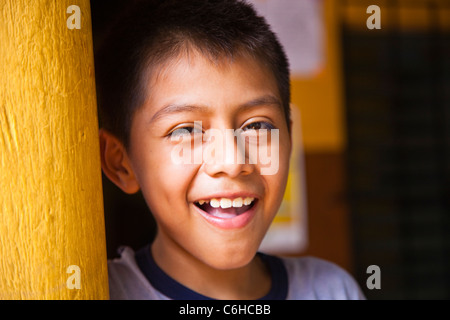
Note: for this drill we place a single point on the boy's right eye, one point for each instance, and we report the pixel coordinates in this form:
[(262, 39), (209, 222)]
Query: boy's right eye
[(185, 130)]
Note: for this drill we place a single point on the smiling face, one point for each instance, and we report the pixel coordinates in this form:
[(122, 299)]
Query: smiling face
[(216, 212)]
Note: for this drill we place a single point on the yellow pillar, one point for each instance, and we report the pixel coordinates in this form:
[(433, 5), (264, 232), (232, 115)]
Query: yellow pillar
[(52, 238)]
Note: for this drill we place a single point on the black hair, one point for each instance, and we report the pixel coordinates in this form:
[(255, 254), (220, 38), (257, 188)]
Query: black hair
[(152, 32)]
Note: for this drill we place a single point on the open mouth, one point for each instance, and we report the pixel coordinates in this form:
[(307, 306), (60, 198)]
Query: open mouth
[(226, 208)]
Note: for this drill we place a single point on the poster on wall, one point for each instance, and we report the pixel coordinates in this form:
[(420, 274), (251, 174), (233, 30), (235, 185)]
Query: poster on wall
[(299, 27)]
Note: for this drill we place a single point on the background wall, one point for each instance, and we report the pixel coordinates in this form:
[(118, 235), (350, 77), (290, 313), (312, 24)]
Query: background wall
[(397, 88)]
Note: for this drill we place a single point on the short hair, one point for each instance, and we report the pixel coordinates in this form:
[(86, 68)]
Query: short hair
[(152, 32)]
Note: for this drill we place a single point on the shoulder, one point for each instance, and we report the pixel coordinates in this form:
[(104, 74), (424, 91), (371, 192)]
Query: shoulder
[(315, 278), (126, 281)]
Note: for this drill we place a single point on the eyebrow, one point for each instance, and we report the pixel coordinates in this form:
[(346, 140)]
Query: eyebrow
[(170, 109), (265, 100)]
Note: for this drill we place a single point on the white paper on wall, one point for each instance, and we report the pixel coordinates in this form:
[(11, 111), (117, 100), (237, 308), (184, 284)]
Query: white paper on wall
[(299, 27)]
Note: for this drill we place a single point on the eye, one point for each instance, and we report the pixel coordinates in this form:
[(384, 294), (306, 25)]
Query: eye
[(258, 125), (185, 130)]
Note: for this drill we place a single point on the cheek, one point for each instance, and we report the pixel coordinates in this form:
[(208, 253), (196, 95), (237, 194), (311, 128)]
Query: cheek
[(276, 183), (274, 195), (165, 185)]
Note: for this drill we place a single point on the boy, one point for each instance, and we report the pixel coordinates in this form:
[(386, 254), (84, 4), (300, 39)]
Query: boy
[(170, 74)]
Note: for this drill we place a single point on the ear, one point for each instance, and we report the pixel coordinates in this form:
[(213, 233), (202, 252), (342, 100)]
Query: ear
[(116, 164)]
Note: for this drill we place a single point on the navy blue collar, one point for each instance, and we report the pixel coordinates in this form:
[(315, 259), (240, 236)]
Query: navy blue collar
[(176, 291)]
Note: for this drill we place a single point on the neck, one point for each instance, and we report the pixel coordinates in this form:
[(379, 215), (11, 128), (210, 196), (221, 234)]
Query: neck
[(249, 282)]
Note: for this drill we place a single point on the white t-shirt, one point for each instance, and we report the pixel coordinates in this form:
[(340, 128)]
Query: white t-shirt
[(135, 276)]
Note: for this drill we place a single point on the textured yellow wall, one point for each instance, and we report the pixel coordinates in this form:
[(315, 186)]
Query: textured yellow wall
[(50, 179)]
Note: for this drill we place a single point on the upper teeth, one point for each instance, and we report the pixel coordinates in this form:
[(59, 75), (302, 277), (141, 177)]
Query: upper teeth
[(225, 203)]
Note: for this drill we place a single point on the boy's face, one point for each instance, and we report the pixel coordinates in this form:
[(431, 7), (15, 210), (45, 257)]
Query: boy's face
[(237, 95)]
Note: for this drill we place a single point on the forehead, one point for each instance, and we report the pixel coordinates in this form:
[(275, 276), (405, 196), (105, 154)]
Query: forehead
[(195, 79)]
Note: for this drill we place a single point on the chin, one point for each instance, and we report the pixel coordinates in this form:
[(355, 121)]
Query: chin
[(230, 258)]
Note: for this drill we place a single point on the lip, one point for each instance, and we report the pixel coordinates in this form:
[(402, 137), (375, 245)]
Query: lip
[(237, 222)]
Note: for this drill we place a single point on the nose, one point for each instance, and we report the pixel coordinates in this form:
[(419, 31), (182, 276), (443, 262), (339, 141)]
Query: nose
[(225, 154)]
